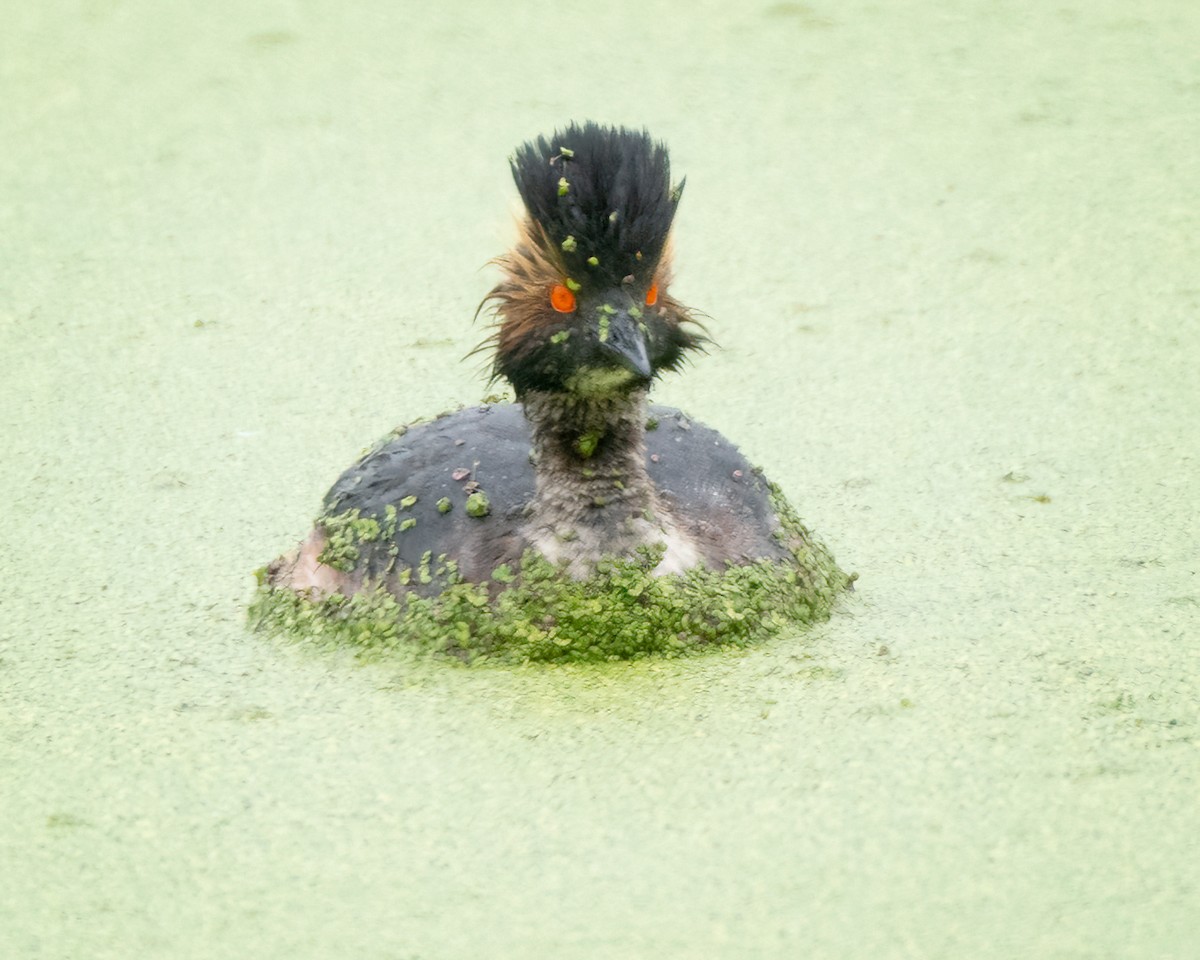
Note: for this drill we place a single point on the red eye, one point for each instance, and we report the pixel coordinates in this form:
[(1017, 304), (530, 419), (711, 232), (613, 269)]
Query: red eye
[(562, 299), (652, 295)]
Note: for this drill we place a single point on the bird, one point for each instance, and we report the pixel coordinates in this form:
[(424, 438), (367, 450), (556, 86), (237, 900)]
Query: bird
[(581, 469)]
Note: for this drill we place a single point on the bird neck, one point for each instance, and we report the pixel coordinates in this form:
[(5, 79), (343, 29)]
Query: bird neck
[(594, 497), (589, 453)]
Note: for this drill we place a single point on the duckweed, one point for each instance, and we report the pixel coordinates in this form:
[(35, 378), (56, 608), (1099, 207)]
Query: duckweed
[(586, 444), (343, 533), (478, 505), (536, 613)]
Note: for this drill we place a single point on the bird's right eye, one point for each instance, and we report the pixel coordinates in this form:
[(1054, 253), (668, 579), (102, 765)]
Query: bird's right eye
[(562, 299)]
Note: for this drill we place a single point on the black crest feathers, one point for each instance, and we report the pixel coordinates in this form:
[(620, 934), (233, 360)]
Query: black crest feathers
[(602, 197)]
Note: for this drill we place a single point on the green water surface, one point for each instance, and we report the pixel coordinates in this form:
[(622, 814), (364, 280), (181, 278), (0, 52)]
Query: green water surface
[(950, 253)]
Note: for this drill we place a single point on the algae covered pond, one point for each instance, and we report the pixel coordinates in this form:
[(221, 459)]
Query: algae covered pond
[(949, 254)]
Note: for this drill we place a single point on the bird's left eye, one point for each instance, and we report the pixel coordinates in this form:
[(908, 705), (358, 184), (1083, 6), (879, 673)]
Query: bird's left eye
[(562, 299), (652, 295)]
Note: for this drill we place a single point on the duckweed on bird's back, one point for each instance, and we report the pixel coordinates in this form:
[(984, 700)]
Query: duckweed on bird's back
[(623, 611)]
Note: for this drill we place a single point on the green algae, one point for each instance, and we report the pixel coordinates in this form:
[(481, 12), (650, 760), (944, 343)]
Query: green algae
[(586, 444), (537, 613), (344, 532), (478, 504)]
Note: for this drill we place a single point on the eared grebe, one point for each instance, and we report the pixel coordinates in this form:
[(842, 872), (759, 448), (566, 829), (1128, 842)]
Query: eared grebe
[(580, 476)]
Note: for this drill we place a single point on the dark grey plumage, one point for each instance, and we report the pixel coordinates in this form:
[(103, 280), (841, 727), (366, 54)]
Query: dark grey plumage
[(609, 189)]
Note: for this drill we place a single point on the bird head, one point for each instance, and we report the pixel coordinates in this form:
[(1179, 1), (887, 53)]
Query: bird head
[(583, 306)]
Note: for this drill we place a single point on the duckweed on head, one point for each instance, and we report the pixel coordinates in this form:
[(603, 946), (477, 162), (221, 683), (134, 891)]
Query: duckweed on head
[(537, 613)]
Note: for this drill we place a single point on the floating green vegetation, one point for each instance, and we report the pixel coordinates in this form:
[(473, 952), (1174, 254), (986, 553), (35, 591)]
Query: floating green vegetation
[(478, 505), (345, 531), (586, 444), (536, 613)]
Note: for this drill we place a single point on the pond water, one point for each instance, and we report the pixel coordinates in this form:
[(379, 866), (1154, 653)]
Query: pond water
[(949, 254)]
